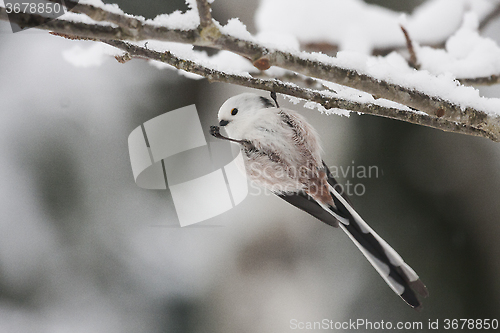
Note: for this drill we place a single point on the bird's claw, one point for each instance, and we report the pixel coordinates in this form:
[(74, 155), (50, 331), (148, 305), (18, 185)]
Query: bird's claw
[(215, 131)]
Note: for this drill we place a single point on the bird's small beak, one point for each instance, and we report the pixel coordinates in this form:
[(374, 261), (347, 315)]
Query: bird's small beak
[(223, 122)]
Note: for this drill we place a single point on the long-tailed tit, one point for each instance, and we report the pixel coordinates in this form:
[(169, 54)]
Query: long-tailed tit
[(282, 153)]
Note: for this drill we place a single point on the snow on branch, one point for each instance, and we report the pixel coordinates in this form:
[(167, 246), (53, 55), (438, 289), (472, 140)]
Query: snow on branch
[(386, 86), (325, 98), (356, 25)]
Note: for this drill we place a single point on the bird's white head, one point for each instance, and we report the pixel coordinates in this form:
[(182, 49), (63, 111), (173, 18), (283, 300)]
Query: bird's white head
[(239, 111)]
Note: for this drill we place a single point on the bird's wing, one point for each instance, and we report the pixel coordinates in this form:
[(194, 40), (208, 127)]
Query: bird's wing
[(303, 201), (398, 275)]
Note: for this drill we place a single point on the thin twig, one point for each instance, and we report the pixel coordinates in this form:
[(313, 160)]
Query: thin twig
[(291, 77), (409, 45), (204, 13), (71, 37), (490, 17), (481, 81)]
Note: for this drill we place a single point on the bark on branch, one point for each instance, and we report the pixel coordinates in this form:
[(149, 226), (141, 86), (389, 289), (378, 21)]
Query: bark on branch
[(440, 113), (204, 12), (320, 97)]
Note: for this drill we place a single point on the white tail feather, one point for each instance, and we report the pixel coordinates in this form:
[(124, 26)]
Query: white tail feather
[(393, 256)]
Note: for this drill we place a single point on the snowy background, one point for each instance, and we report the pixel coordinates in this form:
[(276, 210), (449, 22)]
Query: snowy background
[(83, 249)]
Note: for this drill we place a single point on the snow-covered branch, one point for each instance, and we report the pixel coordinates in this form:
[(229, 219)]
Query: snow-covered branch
[(441, 102), (325, 98)]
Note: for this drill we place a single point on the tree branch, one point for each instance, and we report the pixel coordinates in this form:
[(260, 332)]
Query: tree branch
[(128, 23), (440, 113), (204, 12), (409, 45), (321, 97), (488, 18), (481, 81)]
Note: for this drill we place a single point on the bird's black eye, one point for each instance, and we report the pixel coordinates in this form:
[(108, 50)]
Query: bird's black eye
[(234, 111)]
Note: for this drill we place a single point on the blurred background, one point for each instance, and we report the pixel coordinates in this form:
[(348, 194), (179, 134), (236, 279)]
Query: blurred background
[(83, 249)]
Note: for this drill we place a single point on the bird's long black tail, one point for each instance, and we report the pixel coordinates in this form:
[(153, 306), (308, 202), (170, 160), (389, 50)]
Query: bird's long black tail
[(388, 263), (399, 276)]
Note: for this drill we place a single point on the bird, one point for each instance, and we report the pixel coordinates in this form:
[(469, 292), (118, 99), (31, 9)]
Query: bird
[(282, 153)]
